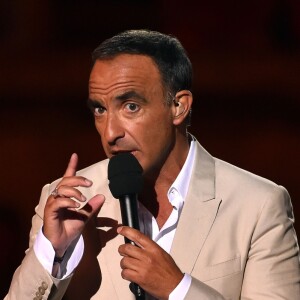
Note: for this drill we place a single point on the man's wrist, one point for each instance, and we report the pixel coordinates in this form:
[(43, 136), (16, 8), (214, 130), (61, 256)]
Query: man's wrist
[(182, 288), (45, 254)]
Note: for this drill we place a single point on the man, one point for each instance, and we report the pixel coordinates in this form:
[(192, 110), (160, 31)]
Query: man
[(209, 230)]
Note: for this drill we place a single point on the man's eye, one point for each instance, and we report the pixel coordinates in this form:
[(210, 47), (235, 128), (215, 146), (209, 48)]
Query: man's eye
[(98, 111), (132, 107)]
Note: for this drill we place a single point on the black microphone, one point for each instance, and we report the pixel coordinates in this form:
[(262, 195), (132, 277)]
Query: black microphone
[(125, 182)]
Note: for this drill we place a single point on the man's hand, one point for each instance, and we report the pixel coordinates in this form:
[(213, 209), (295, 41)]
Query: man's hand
[(62, 221), (148, 265)]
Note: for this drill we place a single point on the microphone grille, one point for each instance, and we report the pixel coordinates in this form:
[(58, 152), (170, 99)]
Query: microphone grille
[(124, 175)]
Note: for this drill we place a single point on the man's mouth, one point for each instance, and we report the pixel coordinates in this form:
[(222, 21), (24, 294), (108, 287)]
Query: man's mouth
[(116, 152)]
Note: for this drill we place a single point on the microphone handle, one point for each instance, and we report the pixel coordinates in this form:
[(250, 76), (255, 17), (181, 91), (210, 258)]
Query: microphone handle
[(129, 212)]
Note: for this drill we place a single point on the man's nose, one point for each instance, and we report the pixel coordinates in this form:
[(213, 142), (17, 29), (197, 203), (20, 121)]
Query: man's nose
[(114, 129)]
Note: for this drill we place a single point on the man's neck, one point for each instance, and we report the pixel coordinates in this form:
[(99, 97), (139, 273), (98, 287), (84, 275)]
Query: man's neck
[(154, 196)]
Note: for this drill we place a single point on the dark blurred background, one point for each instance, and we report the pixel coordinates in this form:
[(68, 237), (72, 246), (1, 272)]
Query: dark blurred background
[(247, 85)]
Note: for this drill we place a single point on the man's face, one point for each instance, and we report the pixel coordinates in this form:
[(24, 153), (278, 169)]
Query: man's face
[(128, 102)]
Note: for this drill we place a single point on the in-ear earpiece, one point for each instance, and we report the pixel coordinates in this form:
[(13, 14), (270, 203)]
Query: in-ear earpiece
[(179, 109), (177, 103)]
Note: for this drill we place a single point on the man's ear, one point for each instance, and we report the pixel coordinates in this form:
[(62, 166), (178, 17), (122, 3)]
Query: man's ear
[(182, 105)]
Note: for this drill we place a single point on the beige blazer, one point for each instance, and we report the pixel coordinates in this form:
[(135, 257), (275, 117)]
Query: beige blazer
[(235, 237)]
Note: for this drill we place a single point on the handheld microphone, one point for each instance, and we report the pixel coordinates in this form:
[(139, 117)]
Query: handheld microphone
[(125, 182)]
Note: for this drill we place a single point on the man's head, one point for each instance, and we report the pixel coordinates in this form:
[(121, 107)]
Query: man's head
[(129, 95), (165, 50)]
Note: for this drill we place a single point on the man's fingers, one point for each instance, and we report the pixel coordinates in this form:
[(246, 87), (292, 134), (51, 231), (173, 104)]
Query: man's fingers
[(93, 205), (96, 202), (72, 166), (136, 236), (74, 181), (63, 202), (89, 208), (69, 192)]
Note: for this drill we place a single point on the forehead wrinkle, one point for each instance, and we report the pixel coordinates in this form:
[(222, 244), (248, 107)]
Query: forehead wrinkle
[(125, 86)]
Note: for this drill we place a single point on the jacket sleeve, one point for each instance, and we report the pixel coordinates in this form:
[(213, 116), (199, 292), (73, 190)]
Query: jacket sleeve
[(272, 269), (31, 281)]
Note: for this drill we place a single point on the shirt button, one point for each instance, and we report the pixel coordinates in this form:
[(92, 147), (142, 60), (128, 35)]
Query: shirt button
[(41, 290), (44, 285)]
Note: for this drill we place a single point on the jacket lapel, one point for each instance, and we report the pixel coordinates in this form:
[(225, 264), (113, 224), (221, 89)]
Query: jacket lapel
[(199, 212)]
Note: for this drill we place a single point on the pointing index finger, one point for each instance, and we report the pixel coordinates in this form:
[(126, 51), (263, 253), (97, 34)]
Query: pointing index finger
[(72, 166)]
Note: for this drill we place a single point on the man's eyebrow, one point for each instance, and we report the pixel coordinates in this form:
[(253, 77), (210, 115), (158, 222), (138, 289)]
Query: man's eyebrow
[(122, 97), (92, 103), (131, 95)]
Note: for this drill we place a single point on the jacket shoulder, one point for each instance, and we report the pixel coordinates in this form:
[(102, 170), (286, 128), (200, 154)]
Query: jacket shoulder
[(233, 176)]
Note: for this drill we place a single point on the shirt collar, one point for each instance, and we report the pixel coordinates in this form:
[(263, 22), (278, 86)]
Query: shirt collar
[(181, 183)]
